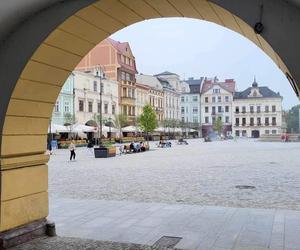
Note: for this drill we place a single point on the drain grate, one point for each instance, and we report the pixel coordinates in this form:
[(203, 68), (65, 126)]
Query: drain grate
[(245, 187), (166, 242)]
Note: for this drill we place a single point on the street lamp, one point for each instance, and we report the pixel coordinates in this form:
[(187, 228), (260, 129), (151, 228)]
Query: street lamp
[(98, 75)]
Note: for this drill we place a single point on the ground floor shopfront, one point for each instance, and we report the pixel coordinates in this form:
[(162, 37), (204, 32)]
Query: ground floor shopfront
[(256, 131)]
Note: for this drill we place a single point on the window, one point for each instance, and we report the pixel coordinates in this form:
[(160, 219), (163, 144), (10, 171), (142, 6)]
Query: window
[(90, 107), (195, 110), (206, 119), (237, 122), (258, 121), (273, 108), (195, 98), (182, 110), (182, 118), (128, 77), (95, 86), (214, 99), (226, 109), (237, 110), (226, 119), (67, 107), (56, 106), (237, 133), (216, 90), (113, 109), (266, 109), (219, 98), (98, 107), (267, 132), (195, 119), (251, 109), (81, 106), (206, 99), (243, 121), (206, 109), (182, 99), (213, 120), (273, 121), (267, 121), (244, 133), (243, 109), (105, 108), (226, 98), (251, 121), (123, 76), (258, 109), (213, 110), (274, 132), (219, 109)]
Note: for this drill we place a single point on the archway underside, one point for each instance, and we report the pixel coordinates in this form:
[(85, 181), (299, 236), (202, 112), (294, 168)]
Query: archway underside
[(30, 108)]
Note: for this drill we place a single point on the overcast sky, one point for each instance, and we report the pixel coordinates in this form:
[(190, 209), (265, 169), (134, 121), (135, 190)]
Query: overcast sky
[(194, 48)]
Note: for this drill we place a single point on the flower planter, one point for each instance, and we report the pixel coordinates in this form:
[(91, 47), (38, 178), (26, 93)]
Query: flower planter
[(104, 152)]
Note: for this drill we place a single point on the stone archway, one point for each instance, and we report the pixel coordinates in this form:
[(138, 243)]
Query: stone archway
[(41, 47)]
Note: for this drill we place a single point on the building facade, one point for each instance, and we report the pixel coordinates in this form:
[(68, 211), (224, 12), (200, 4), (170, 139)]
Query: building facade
[(216, 103), (172, 88), (190, 100), (118, 62), (87, 98), (171, 100), (156, 94), (142, 97), (63, 111), (257, 111)]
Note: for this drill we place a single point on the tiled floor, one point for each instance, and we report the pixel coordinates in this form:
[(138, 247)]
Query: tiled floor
[(200, 227)]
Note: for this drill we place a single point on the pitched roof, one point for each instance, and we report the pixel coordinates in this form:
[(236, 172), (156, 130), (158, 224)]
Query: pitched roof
[(195, 84), (165, 83), (228, 85), (192, 81), (264, 91), (165, 73), (148, 80), (120, 46)]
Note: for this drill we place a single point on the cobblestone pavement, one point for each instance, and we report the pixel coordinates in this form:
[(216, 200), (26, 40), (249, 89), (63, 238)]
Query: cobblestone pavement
[(197, 227), (199, 173), (67, 243)]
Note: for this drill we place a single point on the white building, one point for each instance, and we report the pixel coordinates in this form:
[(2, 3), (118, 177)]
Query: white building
[(190, 100), (257, 111), (216, 103), (87, 97)]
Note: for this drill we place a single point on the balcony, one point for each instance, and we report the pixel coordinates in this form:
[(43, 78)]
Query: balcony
[(128, 100)]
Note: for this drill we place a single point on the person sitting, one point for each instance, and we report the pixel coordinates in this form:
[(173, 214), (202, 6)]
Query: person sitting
[(131, 147), (142, 146)]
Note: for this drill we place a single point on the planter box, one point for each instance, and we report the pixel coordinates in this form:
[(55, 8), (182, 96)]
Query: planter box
[(105, 152)]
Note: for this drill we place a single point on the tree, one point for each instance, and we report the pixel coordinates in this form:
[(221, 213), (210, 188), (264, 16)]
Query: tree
[(148, 121), (120, 122), (218, 126), (69, 120), (293, 119)]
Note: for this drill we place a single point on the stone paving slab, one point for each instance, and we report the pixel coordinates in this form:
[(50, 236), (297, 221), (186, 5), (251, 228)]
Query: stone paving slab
[(67, 243), (200, 227)]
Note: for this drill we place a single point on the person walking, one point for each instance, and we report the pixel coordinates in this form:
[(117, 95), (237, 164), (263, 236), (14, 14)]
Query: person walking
[(72, 150)]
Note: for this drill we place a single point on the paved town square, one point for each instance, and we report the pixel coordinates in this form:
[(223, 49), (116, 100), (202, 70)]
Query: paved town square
[(199, 173), (193, 192)]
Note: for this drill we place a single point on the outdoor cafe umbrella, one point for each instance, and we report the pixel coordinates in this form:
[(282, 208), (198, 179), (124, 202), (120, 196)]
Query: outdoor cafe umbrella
[(56, 128), (131, 129)]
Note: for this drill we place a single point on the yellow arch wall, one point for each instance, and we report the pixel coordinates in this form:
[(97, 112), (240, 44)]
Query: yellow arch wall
[(24, 184)]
